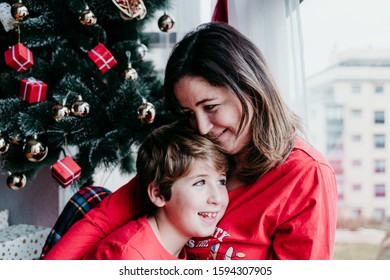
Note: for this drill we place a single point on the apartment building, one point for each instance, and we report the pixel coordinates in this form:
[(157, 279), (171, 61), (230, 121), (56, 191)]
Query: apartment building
[(349, 122)]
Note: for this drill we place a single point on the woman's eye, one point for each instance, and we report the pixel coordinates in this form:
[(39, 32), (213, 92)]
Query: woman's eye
[(189, 114), (209, 107), (200, 183)]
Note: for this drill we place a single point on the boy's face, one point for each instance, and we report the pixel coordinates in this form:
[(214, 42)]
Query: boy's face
[(198, 202)]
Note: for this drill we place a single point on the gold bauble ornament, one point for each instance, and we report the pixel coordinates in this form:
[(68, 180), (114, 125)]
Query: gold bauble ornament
[(34, 150), (16, 181), (146, 112), (4, 145), (130, 73), (19, 12), (80, 108), (165, 23), (59, 112), (87, 17)]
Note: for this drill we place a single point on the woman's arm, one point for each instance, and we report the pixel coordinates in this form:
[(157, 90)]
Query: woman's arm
[(309, 217), (113, 212)]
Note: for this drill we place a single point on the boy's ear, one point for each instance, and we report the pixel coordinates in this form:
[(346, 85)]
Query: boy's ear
[(154, 195)]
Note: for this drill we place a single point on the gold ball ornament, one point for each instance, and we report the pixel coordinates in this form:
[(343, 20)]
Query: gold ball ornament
[(59, 112), (34, 150), (19, 12), (130, 74), (146, 112), (80, 108), (16, 181), (4, 145), (87, 17), (165, 23)]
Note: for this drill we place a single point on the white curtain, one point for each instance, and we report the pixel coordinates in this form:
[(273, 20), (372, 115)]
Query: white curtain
[(274, 26)]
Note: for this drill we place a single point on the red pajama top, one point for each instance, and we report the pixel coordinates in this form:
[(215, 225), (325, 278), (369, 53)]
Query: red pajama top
[(133, 241), (289, 213)]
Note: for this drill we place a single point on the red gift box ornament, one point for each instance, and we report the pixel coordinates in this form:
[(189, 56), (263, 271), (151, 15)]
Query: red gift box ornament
[(65, 171), (102, 57), (33, 90), (19, 57)]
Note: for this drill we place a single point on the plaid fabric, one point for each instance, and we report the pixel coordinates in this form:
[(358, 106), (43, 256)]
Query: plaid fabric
[(79, 204)]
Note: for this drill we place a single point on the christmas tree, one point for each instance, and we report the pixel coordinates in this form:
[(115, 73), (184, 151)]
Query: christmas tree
[(74, 82)]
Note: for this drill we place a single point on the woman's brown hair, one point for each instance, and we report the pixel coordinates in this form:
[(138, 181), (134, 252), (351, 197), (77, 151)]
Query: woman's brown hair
[(224, 57)]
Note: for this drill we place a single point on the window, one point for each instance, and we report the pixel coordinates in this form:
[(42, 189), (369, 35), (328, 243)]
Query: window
[(379, 117), (379, 89), (379, 190), (356, 162), (379, 166), (356, 113), (356, 187), (379, 141), (356, 138), (378, 214), (356, 213), (356, 89)]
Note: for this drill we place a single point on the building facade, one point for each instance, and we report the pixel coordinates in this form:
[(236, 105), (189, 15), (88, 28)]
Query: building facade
[(349, 122)]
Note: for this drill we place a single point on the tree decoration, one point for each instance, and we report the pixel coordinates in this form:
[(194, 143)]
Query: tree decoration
[(65, 171), (165, 23), (87, 17), (60, 111), (130, 73), (77, 57), (16, 181), (131, 9), (19, 11), (33, 90), (4, 145), (146, 112), (80, 108), (34, 150), (102, 57), (19, 57), (139, 51)]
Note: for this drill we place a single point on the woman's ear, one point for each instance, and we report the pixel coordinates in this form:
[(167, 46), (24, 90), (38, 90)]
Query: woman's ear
[(154, 195)]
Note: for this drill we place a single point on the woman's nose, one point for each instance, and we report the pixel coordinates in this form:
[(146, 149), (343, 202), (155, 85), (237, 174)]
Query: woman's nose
[(203, 123)]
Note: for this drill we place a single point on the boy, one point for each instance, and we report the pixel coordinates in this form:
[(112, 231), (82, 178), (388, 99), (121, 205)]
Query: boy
[(183, 177)]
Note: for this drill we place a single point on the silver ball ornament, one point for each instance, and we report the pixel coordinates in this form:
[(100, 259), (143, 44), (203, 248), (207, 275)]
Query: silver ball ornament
[(146, 112), (19, 12), (59, 112), (165, 23), (87, 17), (80, 108), (34, 150), (16, 181), (4, 145), (130, 74)]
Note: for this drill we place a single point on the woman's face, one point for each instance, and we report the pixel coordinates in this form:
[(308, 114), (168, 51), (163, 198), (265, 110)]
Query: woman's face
[(215, 111)]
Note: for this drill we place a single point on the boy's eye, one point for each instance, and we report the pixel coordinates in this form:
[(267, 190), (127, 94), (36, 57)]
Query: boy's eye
[(200, 183), (222, 182)]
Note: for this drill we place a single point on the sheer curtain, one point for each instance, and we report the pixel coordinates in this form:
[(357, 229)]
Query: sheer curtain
[(274, 26)]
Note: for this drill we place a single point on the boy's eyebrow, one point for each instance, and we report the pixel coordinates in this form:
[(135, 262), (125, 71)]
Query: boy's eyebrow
[(204, 175)]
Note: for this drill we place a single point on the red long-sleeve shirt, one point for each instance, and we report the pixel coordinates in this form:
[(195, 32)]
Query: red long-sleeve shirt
[(289, 213)]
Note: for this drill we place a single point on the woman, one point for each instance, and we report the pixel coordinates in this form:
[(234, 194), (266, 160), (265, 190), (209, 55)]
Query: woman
[(282, 192)]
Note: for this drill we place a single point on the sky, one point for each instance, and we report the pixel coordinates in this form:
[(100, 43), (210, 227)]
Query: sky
[(338, 25)]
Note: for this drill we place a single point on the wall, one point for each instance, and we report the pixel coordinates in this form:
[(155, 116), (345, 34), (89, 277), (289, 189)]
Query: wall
[(36, 203)]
